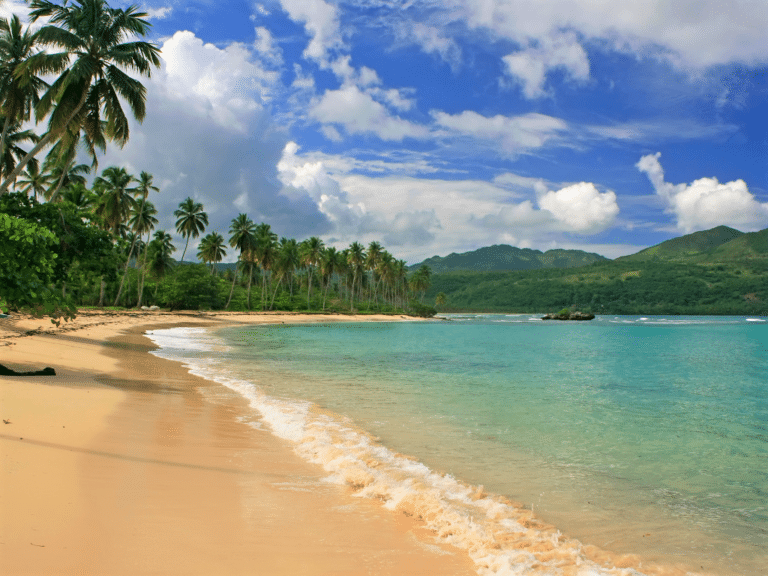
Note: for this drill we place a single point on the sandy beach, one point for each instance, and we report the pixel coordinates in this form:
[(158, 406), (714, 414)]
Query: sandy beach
[(124, 463)]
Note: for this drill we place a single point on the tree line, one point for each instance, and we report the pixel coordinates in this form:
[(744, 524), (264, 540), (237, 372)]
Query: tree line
[(64, 244)]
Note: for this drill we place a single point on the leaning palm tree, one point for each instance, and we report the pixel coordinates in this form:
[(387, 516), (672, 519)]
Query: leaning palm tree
[(96, 43), (242, 236), (191, 222), (211, 250), (12, 152), (18, 95), (60, 162), (142, 221)]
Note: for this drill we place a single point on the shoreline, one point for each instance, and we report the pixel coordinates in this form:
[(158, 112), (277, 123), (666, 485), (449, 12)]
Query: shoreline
[(129, 464)]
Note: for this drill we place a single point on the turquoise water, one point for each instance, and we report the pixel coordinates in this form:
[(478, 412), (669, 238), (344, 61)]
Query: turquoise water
[(646, 436)]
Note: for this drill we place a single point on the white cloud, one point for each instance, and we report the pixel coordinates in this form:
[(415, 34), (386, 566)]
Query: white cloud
[(515, 134), (225, 85), (531, 65), (266, 47), (693, 34), (581, 207), (706, 203), (159, 13), (433, 41), (321, 21), (358, 113)]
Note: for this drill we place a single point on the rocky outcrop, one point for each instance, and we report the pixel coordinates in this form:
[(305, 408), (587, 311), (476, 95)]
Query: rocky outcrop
[(569, 316)]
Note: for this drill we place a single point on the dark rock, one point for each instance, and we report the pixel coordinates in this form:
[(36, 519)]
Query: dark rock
[(44, 372), (570, 316)]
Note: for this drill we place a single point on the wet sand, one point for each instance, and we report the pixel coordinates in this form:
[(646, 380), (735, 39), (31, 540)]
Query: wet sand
[(124, 463)]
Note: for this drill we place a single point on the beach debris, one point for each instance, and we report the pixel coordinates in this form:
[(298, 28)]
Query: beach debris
[(6, 421), (48, 371)]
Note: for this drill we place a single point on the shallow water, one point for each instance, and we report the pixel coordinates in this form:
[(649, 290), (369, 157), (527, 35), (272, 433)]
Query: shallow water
[(644, 436)]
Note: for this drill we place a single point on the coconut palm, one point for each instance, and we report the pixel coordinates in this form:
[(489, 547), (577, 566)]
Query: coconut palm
[(159, 261), (241, 230), (80, 196), (191, 222), (356, 262), (371, 264), (264, 254), (142, 221), (330, 264), (13, 151), (310, 251), (97, 42), (18, 95), (211, 250), (114, 197), (33, 180)]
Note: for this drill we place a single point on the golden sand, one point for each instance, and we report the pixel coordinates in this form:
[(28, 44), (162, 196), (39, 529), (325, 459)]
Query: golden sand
[(124, 463)]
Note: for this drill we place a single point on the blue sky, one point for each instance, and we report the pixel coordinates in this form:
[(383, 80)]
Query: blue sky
[(443, 126)]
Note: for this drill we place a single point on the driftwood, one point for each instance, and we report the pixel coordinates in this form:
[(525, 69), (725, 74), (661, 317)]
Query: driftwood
[(44, 372)]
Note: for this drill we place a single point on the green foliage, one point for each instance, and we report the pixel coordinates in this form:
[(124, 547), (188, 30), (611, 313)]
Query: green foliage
[(192, 287), (421, 310), (27, 268)]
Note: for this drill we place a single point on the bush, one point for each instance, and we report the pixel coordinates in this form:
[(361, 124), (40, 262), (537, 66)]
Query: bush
[(192, 287)]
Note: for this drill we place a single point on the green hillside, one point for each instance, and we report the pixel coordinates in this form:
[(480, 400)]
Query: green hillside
[(503, 257), (717, 271), (688, 246)]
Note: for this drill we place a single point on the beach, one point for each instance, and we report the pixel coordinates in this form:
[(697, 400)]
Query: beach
[(124, 463)]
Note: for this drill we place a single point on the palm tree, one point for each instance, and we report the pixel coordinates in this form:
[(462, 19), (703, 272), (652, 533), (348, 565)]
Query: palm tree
[(421, 280), (60, 161), (212, 249), (242, 237), (33, 180), (142, 221), (310, 252), (191, 222), (80, 196), (264, 254), (371, 264), (159, 260), (18, 96), (356, 261), (114, 198), (97, 42), (330, 264), (13, 151)]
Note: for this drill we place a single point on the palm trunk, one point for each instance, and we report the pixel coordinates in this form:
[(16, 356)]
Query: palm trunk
[(309, 285), (231, 290), (125, 272), (274, 294), (102, 290), (143, 272), (41, 144), (6, 126), (185, 249), (250, 280)]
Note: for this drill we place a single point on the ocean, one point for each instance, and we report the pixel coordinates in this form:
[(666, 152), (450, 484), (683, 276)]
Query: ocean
[(625, 445)]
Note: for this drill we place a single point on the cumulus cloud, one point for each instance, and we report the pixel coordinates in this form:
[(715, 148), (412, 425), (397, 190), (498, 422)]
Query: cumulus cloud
[(530, 66), (227, 85), (581, 207), (706, 202), (691, 34), (432, 40), (358, 113), (321, 22), (515, 134)]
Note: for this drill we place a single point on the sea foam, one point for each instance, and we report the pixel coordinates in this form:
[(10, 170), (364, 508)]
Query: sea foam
[(501, 537)]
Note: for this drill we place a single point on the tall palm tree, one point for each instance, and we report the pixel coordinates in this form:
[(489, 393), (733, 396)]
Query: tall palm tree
[(33, 180), (60, 162), (18, 96), (97, 42), (371, 264), (330, 264), (264, 254), (356, 261), (159, 261), (191, 222), (211, 249), (242, 236), (142, 221), (290, 258), (310, 252), (80, 196)]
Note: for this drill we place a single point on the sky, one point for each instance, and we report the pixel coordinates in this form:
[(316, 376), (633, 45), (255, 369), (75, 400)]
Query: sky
[(440, 126)]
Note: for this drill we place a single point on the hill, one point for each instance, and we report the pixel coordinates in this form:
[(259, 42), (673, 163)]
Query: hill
[(688, 246), (503, 257)]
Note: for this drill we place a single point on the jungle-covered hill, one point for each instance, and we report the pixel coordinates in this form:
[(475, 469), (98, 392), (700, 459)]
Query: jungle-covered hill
[(717, 271), (503, 257)]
